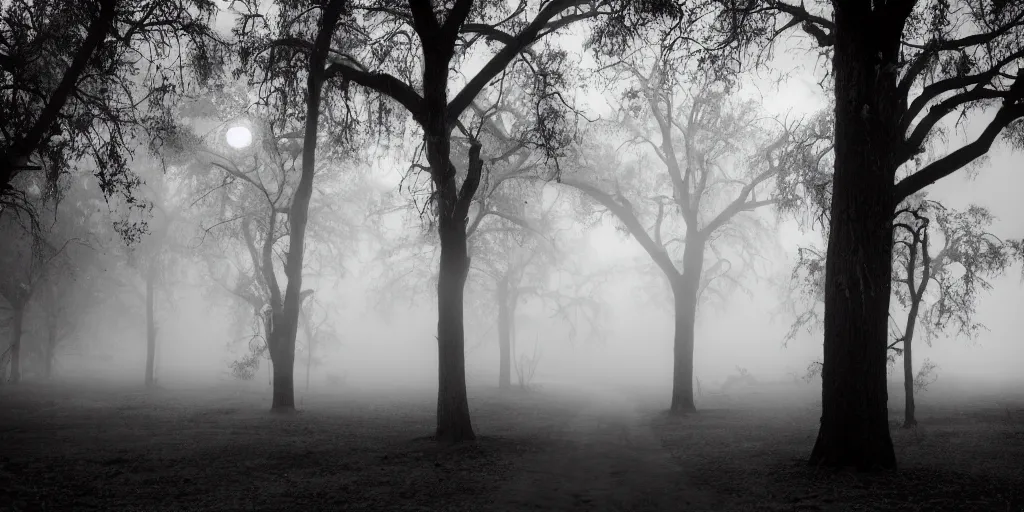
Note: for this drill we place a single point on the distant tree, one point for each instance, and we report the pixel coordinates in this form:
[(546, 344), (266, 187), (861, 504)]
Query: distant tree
[(953, 267), (63, 302), (318, 331), (717, 159), (927, 65), (30, 255), (521, 258), (83, 79)]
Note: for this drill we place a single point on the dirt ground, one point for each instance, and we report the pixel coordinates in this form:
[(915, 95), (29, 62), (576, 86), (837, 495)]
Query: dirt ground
[(94, 448)]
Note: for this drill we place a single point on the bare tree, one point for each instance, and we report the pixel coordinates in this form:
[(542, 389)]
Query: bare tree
[(718, 162), (28, 257)]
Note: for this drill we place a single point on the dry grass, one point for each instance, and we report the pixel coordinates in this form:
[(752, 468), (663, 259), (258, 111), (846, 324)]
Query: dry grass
[(100, 449), (966, 454)]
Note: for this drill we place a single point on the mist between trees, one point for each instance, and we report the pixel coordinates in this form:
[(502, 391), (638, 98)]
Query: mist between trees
[(344, 193)]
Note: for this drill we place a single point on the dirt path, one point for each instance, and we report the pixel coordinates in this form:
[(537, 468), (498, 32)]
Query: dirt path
[(607, 459)]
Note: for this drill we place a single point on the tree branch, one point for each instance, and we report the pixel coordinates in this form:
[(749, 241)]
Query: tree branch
[(956, 160), (500, 61), (657, 252)]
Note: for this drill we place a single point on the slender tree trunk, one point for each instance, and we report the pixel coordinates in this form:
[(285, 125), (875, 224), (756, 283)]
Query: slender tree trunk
[(908, 386), (685, 288), (909, 419), (51, 350), (854, 427), (504, 336), (287, 322), (453, 421), (150, 324), (16, 328)]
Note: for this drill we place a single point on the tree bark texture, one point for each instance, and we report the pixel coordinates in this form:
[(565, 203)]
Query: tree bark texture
[(854, 427), (453, 421)]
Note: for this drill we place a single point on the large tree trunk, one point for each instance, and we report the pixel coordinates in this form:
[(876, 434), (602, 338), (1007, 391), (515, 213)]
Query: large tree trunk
[(282, 369), (854, 421), (685, 288), (150, 325), (282, 365), (453, 421), (16, 328), (504, 336)]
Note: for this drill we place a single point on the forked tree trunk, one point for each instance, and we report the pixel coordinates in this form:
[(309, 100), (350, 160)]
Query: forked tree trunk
[(854, 427), (16, 328), (150, 325), (453, 421), (685, 288), (504, 336)]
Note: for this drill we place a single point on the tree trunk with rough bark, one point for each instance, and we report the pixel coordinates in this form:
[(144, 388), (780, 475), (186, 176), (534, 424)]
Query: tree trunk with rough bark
[(854, 427), (150, 324), (283, 371), (453, 421), (504, 336), (685, 289)]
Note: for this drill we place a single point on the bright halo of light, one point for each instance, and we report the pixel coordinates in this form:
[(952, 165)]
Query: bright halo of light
[(238, 137)]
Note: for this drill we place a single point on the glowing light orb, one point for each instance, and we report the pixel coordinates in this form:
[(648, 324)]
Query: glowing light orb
[(238, 137)]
